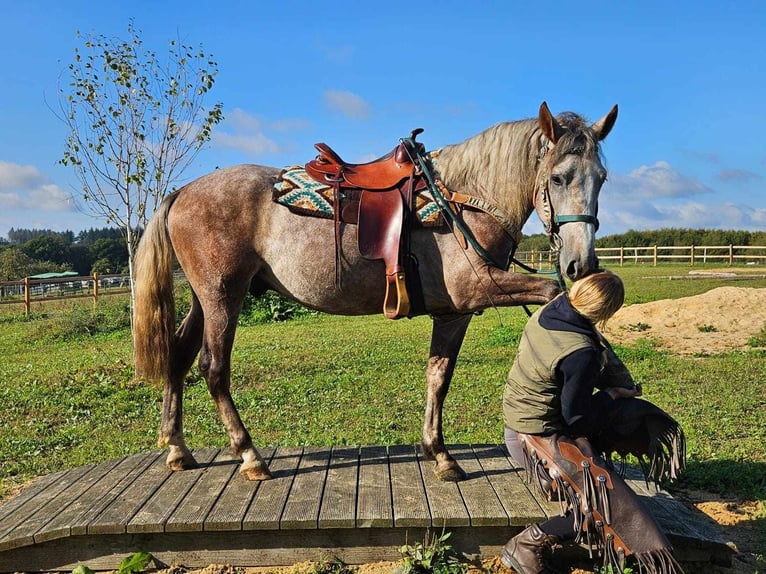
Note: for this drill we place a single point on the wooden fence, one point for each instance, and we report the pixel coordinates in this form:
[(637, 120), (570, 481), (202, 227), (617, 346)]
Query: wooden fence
[(28, 290), (729, 255)]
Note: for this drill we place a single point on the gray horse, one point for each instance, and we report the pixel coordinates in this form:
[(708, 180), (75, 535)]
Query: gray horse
[(230, 238)]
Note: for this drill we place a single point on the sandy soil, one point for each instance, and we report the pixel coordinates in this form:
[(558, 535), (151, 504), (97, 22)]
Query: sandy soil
[(717, 321)]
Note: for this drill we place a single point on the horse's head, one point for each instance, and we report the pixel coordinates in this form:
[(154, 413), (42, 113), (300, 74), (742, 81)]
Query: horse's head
[(570, 176)]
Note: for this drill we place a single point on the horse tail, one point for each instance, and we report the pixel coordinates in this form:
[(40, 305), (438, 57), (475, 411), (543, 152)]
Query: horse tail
[(154, 313)]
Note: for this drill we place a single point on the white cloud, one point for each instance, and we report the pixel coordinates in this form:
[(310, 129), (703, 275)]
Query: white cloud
[(244, 132), (289, 124), (15, 176), (26, 187), (657, 196), (342, 54), (347, 103), (658, 180), (742, 175), (617, 218), (253, 144)]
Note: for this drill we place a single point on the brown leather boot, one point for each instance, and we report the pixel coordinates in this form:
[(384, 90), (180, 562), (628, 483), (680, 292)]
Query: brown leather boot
[(526, 552)]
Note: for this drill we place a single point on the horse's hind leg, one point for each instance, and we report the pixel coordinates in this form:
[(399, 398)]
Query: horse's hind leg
[(188, 340), (215, 364), (446, 340)]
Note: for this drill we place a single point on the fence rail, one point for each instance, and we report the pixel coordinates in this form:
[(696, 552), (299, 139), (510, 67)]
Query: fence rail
[(729, 255), (28, 290)]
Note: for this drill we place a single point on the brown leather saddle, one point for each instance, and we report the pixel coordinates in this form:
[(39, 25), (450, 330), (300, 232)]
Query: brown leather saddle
[(385, 189)]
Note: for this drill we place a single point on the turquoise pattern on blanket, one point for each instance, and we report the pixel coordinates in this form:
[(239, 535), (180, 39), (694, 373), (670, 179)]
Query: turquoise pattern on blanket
[(296, 189)]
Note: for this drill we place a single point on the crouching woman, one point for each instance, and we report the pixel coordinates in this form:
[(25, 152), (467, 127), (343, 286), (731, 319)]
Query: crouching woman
[(565, 435)]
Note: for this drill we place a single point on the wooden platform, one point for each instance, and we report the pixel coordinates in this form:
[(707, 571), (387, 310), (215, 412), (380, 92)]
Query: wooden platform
[(359, 504)]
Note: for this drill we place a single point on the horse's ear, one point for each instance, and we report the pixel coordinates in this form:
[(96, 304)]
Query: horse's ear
[(602, 127), (548, 124)]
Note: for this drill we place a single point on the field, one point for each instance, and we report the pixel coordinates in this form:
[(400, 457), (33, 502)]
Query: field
[(70, 397)]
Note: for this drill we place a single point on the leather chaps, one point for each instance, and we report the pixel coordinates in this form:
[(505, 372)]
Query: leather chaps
[(608, 515)]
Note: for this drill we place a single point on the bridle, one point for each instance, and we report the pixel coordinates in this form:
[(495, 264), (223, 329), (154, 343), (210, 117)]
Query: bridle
[(553, 221), (445, 200)]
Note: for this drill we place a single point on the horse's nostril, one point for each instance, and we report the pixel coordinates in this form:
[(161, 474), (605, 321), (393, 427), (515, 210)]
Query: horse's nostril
[(572, 270)]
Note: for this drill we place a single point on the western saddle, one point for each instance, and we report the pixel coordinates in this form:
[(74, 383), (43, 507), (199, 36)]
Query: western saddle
[(385, 188)]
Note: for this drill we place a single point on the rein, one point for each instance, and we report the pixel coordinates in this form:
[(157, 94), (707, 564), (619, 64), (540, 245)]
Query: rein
[(439, 193), (445, 199)]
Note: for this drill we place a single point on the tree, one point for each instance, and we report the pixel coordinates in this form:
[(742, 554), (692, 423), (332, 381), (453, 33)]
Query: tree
[(15, 265), (135, 123), (53, 248)]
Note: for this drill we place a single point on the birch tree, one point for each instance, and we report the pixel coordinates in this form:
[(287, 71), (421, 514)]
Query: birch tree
[(136, 122)]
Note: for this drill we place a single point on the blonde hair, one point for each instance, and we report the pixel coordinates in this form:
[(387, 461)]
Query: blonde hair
[(597, 296)]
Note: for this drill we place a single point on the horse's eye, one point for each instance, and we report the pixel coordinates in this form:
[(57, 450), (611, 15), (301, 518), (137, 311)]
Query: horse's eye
[(557, 180)]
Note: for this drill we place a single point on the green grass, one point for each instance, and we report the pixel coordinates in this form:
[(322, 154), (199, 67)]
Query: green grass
[(69, 398)]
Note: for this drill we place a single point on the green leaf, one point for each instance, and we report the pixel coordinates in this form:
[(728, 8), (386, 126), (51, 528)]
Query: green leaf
[(82, 569), (134, 563)]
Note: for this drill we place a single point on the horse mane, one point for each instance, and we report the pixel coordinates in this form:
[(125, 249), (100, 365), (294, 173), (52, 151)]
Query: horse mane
[(500, 164)]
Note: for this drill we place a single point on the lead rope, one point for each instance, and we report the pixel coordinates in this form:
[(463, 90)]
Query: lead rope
[(451, 217)]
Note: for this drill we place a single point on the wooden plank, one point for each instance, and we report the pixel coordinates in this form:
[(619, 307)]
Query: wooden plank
[(484, 508), (268, 549), (58, 525), (163, 502), (28, 492), (115, 517), (30, 511), (374, 506), (338, 508), (303, 503), (271, 496), (444, 499), (74, 520), (229, 510), (191, 512), (506, 479), (407, 490)]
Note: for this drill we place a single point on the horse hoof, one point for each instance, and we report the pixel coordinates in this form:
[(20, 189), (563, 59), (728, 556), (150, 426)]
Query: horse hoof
[(184, 463), (255, 473), (449, 473)]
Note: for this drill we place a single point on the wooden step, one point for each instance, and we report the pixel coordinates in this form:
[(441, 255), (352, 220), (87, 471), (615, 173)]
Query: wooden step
[(359, 504)]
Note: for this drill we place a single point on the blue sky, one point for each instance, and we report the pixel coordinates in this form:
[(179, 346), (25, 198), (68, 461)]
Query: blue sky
[(687, 150)]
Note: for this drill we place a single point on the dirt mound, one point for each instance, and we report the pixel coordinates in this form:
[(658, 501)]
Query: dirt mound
[(717, 321)]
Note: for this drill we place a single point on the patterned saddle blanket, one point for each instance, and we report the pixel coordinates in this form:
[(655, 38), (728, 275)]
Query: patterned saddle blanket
[(302, 194)]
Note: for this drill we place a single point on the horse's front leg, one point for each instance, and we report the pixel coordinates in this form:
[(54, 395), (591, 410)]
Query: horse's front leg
[(505, 288), (446, 340)]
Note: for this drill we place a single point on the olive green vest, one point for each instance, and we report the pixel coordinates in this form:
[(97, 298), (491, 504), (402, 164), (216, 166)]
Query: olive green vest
[(532, 395)]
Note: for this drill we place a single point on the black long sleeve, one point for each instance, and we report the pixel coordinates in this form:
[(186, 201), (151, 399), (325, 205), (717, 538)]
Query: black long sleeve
[(582, 410)]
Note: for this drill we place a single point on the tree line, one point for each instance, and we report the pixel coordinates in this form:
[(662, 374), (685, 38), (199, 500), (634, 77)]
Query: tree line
[(31, 251)]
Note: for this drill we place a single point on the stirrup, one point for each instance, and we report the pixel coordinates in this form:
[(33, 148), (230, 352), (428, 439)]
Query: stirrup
[(401, 306)]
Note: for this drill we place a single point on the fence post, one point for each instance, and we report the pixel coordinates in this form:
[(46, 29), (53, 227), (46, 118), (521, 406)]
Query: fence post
[(691, 255), (95, 290), (731, 255), (655, 256), (26, 296), (622, 255)]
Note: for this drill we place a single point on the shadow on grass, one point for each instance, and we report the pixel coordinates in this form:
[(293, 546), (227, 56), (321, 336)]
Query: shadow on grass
[(733, 494)]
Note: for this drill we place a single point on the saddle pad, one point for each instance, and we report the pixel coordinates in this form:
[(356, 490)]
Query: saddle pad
[(302, 194)]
